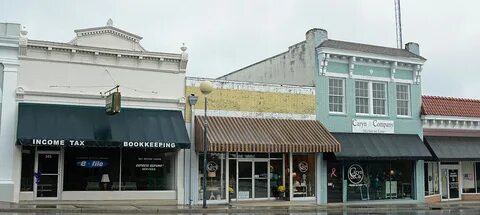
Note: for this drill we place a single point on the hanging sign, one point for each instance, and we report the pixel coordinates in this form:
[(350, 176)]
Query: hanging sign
[(373, 126), (113, 103)]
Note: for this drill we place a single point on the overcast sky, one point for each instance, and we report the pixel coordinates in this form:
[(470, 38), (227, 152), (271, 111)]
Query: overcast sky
[(224, 35)]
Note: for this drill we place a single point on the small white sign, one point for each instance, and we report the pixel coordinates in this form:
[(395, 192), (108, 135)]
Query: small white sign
[(373, 126), (243, 194)]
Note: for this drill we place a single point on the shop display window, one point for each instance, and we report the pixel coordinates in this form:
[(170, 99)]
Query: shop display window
[(432, 180), (28, 162), (87, 169), (147, 169), (216, 163), (303, 175), (379, 180), (468, 177)]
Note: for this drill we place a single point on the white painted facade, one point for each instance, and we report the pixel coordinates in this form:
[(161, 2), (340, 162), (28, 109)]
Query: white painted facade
[(79, 72)]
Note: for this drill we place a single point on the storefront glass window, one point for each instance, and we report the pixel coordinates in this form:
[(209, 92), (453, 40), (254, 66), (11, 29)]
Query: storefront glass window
[(431, 178), (147, 169), (91, 169), (28, 161), (477, 179), (303, 175), (379, 180), (216, 163), (468, 179)]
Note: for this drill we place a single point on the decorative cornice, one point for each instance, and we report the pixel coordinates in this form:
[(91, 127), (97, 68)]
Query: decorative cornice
[(66, 47), (450, 122), (369, 56), (22, 94)]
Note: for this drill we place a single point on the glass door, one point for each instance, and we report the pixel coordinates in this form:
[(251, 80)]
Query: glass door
[(450, 183), (245, 188), (46, 176), (261, 179), (253, 180)]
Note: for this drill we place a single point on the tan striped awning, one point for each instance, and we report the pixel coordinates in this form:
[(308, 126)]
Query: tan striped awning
[(235, 134)]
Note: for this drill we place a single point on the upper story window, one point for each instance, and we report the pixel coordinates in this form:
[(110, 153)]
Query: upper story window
[(336, 95), (370, 97), (403, 100)]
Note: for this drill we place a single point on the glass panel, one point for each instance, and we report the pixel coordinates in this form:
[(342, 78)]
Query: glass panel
[(431, 178), (303, 175), (276, 172), (232, 168), (28, 161), (376, 180), (244, 169), (244, 188), (48, 163), (453, 183), (335, 92), (215, 176), (91, 169), (47, 185), (261, 179), (334, 182), (444, 183), (468, 171), (147, 169), (361, 97), (477, 178)]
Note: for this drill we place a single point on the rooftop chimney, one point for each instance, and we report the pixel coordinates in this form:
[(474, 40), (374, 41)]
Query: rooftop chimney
[(413, 48)]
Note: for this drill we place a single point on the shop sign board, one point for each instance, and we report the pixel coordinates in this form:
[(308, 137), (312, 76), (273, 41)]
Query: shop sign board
[(373, 126), (244, 194), (112, 103), (149, 164)]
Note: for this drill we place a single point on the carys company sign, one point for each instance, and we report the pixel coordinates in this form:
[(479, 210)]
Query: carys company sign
[(373, 126)]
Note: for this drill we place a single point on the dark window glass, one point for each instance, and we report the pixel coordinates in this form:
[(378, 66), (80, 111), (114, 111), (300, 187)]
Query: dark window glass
[(477, 171), (303, 175), (379, 180), (28, 161), (91, 169), (147, 169)]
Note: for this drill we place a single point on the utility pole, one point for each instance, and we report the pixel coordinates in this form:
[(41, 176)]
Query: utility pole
[(398, 23)]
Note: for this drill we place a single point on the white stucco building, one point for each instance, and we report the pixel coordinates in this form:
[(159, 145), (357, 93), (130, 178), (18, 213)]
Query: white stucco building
[(57, 142)]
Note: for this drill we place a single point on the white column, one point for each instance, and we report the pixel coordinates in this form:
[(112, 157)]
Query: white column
[(10, 166)]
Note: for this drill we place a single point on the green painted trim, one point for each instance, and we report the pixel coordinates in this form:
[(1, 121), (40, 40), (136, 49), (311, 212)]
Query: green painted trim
[(335, 67), (403, 74)]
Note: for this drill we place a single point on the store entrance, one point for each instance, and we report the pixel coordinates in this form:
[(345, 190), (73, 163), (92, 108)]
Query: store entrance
[(450, 179), (46, 176), (252, 179)]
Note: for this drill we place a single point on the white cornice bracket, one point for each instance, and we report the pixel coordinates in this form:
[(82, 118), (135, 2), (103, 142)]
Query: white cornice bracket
[(351, 66), (324, 63)]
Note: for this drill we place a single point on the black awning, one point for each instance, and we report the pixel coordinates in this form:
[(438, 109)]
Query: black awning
[(454, 148), (361, 146), (64, 125)]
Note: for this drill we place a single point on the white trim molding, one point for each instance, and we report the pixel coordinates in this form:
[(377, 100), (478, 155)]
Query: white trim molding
[(264, 115), (371, 56), (451, 122)]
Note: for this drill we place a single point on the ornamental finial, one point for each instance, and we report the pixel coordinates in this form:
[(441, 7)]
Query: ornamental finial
[(110, 22)]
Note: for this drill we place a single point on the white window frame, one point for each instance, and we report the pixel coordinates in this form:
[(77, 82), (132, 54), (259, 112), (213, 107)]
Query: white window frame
[(343, 95), (409, 102), (370, 98)]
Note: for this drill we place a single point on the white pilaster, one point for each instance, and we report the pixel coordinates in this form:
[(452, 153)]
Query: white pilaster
[(10, 154)]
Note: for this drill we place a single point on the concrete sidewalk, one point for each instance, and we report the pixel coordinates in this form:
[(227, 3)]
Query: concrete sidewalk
[(155, 207)]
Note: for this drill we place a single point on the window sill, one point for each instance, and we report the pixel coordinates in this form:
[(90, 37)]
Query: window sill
[(371, 115), (404, 117), (337, 114)]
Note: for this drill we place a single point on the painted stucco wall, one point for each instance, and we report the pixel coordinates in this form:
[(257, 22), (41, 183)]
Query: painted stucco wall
[(66, 76), (293, 67), (343, 122)]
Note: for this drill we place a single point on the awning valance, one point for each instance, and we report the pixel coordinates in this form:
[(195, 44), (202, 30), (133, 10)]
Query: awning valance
[(235, 134), (361, 146), (64, 125), (454, 148)]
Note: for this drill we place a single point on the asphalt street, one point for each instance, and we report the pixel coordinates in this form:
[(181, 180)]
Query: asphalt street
[(406, 212)]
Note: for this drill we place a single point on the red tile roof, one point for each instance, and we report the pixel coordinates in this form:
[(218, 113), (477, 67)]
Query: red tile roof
[(449, 106)]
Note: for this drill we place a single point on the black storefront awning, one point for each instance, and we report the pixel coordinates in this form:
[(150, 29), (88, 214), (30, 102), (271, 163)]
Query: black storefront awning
[(84, 126), (361, 146), (454, 148)]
